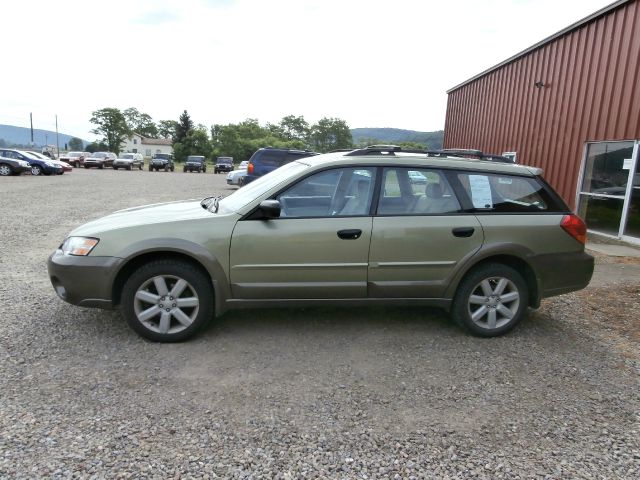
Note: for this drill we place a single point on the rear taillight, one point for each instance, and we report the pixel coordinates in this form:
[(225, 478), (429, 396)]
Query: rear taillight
[(250, 168), (574, 226)]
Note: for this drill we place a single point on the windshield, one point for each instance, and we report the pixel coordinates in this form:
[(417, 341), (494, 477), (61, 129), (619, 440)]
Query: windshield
[(226, 161), (74, 154), (255, 189), (195, 158), (162, 156), (31, 155), (99, 155), (127, 156)]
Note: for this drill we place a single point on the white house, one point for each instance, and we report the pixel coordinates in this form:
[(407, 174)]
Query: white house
[(147, 146)]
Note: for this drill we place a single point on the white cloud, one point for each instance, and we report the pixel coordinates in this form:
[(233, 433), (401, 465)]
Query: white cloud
[(371, 63)]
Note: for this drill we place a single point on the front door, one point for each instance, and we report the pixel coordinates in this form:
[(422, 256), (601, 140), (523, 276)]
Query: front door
[(319, 246)]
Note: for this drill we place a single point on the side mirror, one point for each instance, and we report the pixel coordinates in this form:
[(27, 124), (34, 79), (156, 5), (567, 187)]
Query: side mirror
[(269, 209)]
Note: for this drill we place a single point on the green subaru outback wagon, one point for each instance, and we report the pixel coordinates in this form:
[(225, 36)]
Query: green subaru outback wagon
[(482, 239)]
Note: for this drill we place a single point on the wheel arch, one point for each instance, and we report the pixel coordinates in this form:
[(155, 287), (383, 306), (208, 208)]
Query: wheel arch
[(194, 255), (516, 258)]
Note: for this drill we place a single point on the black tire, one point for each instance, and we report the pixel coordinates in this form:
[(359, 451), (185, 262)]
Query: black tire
[(129, 167), (140, 167), (115, 168), (471, 292), (173, 169), (101, 166), (36, 170), (199, 285), (166, 169), (184, 169), (86, 166)]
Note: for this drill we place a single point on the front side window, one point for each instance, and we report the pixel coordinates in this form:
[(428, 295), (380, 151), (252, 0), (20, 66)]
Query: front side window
[(416, 191), (506, 193), (337, 192)]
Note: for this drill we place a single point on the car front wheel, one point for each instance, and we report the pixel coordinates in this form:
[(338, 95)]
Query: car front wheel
[(490, 300), (167, 300), (36, 170)]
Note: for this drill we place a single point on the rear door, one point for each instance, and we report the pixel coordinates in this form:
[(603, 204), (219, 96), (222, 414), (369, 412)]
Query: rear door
[(419, 236), (315, 250)]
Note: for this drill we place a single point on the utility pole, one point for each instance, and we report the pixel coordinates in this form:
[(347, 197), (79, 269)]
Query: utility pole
[(57, 141), (31, 121)]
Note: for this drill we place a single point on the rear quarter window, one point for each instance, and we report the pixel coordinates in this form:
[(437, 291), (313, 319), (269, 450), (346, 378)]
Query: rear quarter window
[(507, 193)]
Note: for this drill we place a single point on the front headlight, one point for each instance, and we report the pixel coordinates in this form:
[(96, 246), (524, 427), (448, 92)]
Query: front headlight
[(80, 246), (49, 164)]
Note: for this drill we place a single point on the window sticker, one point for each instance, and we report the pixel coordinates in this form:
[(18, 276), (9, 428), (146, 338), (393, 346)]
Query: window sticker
[(480, 191)]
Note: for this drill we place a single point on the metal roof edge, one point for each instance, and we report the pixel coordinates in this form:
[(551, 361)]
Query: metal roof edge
[(541, 43)]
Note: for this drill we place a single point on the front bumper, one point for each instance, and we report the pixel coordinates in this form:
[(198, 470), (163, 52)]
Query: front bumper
[(84, 281), (92, 163)]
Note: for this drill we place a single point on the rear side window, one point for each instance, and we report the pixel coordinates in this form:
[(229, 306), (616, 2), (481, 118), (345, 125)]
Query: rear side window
[(506, 193), (416, 191)]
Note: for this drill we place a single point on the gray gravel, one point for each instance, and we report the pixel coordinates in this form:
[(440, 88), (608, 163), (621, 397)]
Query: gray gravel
[(302, 393)]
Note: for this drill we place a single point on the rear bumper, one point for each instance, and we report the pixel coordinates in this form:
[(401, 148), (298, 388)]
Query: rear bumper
[(560, 273), (85, 281)]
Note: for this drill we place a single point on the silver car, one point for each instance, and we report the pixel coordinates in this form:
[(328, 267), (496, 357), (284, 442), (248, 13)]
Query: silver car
[(129, 161)]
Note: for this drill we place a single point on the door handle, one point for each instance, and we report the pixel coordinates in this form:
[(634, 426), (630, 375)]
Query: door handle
[(350, 234), (463, 231)]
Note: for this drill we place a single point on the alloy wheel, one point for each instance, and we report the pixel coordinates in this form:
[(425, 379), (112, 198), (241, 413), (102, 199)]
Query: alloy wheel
[(493, 302), (166, 304)]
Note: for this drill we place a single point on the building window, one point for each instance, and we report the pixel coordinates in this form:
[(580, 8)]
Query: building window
[(148, 152), (135, 150), (135, 141), (511, 156), (609, 189)]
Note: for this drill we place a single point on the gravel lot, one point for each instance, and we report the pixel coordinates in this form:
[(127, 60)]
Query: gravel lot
[(305, 393)]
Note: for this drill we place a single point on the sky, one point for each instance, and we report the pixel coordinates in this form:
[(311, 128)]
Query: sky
[(371, 63)]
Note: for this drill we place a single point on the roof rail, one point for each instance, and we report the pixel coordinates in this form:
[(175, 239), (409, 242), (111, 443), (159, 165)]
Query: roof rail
[(449, 152)]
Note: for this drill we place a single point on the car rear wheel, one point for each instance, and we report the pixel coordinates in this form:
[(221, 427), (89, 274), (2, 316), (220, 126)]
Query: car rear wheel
[(167, 300), (5, 170), (490, 300), (36, 170)]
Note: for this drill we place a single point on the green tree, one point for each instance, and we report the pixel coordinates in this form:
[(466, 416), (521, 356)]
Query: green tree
[(329, 134), (112, 125), (196, 142), (183, 127), (76, 144), (140, 123), (96, 147), (167, 128), (294, 128)]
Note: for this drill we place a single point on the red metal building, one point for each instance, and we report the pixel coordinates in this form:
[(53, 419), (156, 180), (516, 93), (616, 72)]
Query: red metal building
[(571, 105)]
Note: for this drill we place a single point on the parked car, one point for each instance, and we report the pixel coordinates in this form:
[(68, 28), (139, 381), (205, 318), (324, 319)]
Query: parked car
[(195, 163), (484, 240), (236, 177), (100, 160), (161, 161), (243, 165), (65, 166), (38, 166), (75, 159), (268, 159), (129, 161), (223, 164), (12, 166)]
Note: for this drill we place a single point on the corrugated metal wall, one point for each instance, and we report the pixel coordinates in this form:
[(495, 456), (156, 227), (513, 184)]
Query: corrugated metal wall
[(591, 93)]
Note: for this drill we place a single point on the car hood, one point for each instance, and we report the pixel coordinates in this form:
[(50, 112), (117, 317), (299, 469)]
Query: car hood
[(144, 215)]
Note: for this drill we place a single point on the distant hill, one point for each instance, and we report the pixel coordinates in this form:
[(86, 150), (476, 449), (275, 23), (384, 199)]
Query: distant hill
[(22, 136), (432, 140)]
